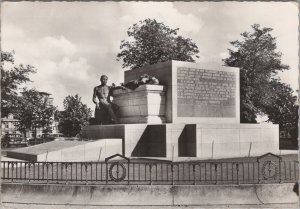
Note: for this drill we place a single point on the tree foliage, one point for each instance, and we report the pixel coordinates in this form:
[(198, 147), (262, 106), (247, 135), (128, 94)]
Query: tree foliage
[(74, 117), (33, 110), (151, 42), (11, 79), (259, 61), (282, 107)]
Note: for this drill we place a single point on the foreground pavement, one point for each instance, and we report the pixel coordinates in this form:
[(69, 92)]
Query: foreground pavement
[(36, 206)]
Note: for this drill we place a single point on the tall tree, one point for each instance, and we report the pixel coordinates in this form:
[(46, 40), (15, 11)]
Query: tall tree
[(151, 42), (282, 107), (12, 76), (259, 61), (34, 111), (74, 117)]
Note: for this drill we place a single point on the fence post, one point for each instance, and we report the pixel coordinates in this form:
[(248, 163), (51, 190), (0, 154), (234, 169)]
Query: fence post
[(258, 171), (150, 168), (66, 170), (57, 167), (128, 173), (216, 176), (86, 177), (237, 172), (4, 170), (47, 167), (194, 173), (12, 172), (280, 171), (106, 172), (8, 167), (28, 172), (172, 166), (172, 169), (66, 167)]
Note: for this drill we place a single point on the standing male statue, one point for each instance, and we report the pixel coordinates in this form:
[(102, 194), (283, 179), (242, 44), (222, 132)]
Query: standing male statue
[(105, 109)]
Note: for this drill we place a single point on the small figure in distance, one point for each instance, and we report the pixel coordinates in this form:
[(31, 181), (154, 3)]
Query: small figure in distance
[(105, 109)]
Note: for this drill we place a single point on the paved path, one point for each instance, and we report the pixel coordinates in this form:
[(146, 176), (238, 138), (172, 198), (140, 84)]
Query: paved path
[(49, 146)]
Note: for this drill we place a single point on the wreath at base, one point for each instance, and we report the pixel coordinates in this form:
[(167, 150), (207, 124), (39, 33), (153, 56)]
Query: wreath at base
[(122, 171), (269, 170)]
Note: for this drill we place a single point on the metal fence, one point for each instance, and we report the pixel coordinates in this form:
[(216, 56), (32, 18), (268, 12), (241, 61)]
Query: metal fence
[(268, 168)]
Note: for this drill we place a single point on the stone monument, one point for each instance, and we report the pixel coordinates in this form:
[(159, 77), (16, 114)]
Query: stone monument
[(194, 112)]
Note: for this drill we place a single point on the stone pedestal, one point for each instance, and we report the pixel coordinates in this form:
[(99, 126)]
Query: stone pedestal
[(145, 104), (202, 141)]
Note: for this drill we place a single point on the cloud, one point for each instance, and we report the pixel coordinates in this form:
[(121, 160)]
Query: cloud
[(63, 78), (14, 32), (161, 11), (54, 47), (223, 55), (60, 69)]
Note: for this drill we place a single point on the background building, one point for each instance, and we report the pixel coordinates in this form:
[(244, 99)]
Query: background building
[(10, 124)]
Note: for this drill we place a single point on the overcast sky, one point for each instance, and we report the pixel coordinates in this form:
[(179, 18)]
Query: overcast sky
[(72, 43)]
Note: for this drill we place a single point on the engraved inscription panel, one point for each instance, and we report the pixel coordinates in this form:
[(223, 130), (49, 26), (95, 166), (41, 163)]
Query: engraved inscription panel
[(205, 93)]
